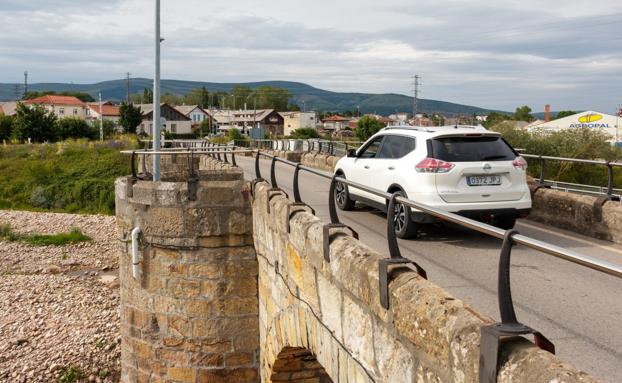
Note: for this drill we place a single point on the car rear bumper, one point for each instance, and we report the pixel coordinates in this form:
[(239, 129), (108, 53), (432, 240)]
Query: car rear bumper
[(479, 214)]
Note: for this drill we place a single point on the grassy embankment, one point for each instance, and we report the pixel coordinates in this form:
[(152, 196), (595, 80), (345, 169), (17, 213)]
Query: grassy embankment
[(72, 176)]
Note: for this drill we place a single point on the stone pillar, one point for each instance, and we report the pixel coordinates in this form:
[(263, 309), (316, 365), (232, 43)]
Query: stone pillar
[(191, 314)]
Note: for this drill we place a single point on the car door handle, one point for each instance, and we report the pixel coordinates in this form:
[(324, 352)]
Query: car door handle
[(391, 168), (366, 166)]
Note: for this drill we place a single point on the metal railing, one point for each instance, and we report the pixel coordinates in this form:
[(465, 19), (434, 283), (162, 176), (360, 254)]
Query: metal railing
[(491, 334), (609, 191), (336, 148)]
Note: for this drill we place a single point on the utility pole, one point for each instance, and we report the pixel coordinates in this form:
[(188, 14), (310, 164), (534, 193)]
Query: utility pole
[(25, 83), (101, 118), (156, 96), (128, 87), (416, 93), (16, 89)]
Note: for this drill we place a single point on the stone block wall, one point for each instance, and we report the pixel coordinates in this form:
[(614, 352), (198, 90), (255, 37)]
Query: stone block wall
[(332, 311), (191, 315), (580, 213), (320, 161)]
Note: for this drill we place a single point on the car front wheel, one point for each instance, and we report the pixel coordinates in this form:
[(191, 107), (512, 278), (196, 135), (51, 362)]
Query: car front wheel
[(342, 197), (405, 227)]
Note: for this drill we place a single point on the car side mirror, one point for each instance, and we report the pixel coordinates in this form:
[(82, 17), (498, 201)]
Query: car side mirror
[(351, 153)]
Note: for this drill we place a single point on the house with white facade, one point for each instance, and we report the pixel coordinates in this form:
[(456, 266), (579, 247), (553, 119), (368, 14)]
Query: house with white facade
[(298, 120), (173, 121)]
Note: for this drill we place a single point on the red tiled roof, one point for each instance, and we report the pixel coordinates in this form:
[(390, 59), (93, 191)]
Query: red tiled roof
[(52, 99), (336, 118), (109, 110)]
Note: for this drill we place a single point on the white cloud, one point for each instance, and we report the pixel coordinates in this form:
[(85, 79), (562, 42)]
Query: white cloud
[(479, 52)]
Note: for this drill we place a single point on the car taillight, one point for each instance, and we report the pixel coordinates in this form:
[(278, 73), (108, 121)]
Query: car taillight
[(520, 163), (432, 165)]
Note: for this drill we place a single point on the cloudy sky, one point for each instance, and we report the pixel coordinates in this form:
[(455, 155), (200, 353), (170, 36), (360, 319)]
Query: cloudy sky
[(493, 54)]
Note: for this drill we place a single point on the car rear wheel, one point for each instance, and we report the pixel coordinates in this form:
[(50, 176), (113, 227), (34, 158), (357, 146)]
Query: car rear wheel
[(405, 227), (342, 197)]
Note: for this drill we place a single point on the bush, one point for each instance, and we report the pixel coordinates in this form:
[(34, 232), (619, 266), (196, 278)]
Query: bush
[(6, 127), (581, 143), (73, 127), (73, 176), (34, 123), (305, 133), (367, 126)]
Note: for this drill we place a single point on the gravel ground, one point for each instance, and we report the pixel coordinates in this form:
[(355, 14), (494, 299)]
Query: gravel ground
[(59, 305)]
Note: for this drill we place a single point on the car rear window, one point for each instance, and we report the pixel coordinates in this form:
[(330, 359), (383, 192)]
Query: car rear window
[(471, 149)]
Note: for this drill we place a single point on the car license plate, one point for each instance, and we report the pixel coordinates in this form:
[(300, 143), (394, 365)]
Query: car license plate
[(483, 180)]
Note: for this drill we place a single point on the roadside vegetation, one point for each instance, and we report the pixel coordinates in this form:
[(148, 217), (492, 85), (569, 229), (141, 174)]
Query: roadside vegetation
[(581, 143), (74, 236), (74, 176)]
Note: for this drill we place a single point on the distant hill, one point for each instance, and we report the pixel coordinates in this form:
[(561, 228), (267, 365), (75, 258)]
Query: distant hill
[(314, 98)]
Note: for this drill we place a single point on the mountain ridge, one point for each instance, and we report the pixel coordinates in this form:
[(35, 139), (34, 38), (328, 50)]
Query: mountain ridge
[(313, 98)]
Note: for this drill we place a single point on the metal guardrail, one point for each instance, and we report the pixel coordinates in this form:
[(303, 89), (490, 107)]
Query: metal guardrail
[(336, 148), (579, 188), (490, 335)]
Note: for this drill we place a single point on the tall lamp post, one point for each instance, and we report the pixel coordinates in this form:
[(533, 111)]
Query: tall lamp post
[(156, 96)]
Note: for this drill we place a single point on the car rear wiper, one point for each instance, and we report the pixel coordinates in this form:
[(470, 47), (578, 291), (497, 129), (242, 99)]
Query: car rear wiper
[(493, 157)]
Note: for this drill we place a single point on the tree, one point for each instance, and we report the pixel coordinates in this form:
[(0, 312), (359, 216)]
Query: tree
[(293, 108), (305, 133), (147, 96), (234, 134), (197, 96), (205, 127), (172, 99), (367, 126), (83, 96), (523, 113), (269, 97), (6, 127), (72, 127), (109, 129), (494, 118), (240, 94), (565, 113), (34, 122), (129, 117)]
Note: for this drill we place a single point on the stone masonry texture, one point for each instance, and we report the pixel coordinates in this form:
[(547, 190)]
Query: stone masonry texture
[(192, 313), (330, 313)]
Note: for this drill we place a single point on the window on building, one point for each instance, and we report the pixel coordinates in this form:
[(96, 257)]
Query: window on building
[(61, 111), (75, 111), (173, 128)]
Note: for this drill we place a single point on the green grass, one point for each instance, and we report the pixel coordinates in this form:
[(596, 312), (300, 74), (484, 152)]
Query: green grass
[(71, 374), (61, 239), (72, 177)]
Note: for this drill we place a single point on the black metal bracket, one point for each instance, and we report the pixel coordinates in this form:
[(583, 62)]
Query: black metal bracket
[(131, 180), (396, 257), (329, 235), (254, 184), (274, 192), (491, 335), (233, 158), (296, 207)]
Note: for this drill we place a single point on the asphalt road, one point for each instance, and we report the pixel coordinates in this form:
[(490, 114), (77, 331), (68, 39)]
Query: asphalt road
[(580, 310)]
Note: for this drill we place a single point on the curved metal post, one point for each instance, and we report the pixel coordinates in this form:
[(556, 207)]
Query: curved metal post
[(541, 181), (133, 165), (332, 210), (609, 179), (233, 158), (273, 174), (225, 155), (297, 198), (506, 306), (257, 171)]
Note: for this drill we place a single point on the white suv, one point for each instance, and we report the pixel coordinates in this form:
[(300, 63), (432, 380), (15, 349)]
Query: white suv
[(466, 170)]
